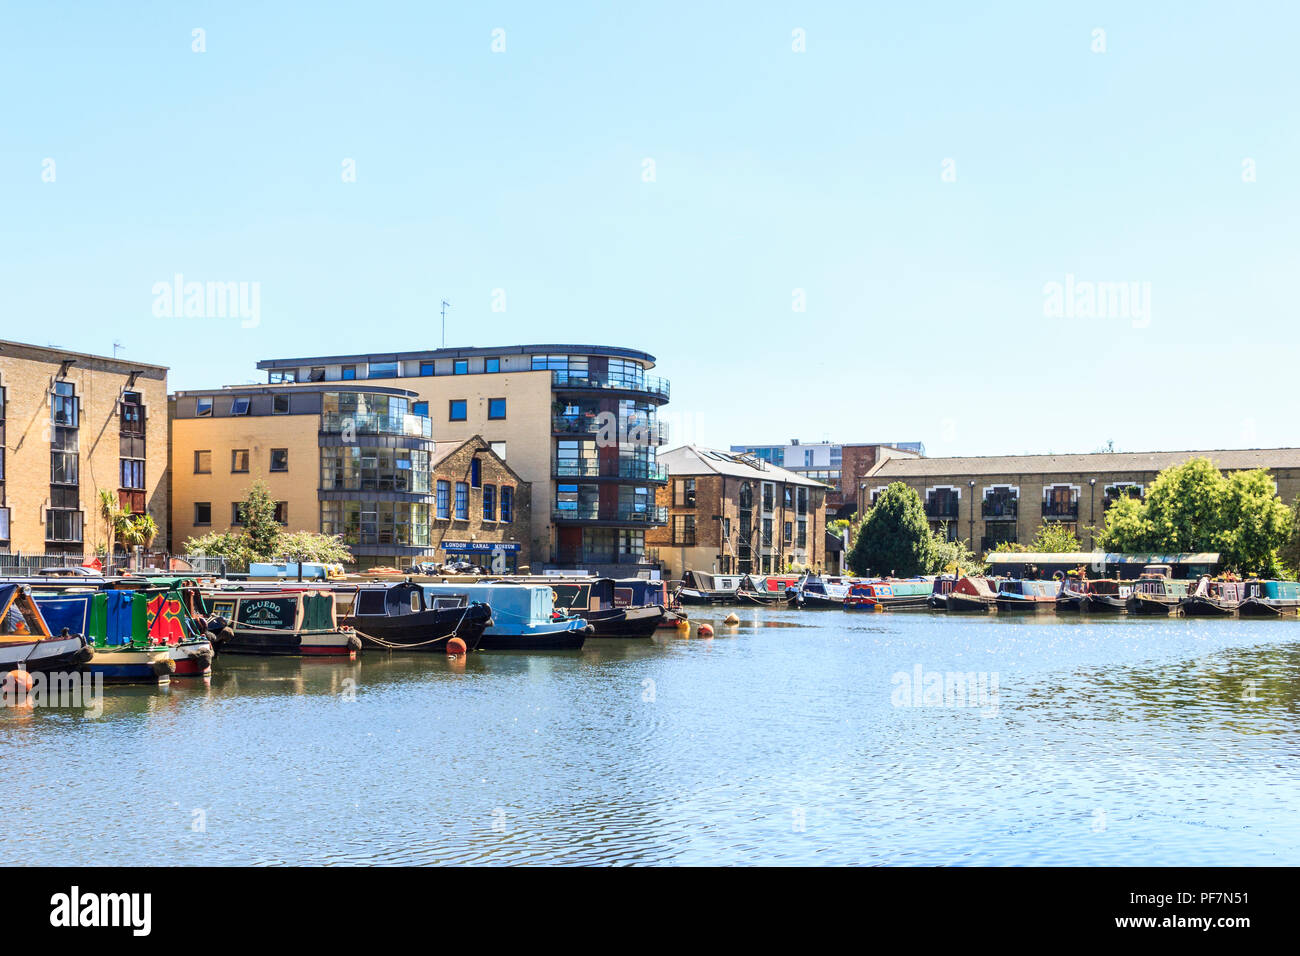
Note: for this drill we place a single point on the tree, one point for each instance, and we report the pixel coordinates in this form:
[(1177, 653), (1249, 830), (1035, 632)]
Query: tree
[(1256, 524), (260, 527), (952, 556), (1290, 551), (148, 529), (109, 511), (314, 547), (895, 537)]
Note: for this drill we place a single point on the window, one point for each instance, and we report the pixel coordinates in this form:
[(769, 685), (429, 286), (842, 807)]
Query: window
[(236, 513), (460, 367), (421, 409), (788, 533), (203, 463), (132, 473), (507, 504), (279, 459), (282, 512), (202, 512), (426, 368), (131, 415), (63, 525), (475, 472), (462, 501), (63, 405), (239, 406), (280, 405), (203, 408), (239, 461), (769, 495), (64, 468), (496, 409), (349, 373), (787, 496), (444, 499), (803, 501), (802, 540), (492, 365), (684, 493), (383, 370), (489, 503), (282, 375), (684, 531), (767, 532), (317, 375), (457, 410), (498, 449)]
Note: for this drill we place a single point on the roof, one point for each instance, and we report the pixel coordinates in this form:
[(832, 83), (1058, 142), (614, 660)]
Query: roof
[(445, 450), (427, 354), (297, 387), (1099, 557), (1100, 462), (55, 354), (696, 460)]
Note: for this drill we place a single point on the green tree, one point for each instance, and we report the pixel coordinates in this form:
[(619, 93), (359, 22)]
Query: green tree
[(261, 530), (1256, 524), (953, 556), (895, 537), (311, 546), (1127, 529)]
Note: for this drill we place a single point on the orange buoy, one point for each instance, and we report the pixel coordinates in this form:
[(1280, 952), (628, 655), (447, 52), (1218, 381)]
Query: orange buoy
[(706, 630), (17, 679), (456, 647), (731, 619)]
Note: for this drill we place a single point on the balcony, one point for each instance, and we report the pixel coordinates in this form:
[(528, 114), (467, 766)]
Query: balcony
[(941, 510), (407, 426), (581, 556), (612, 515), (1061, 510), (1008, 508), (652, 385), (640, 432), (594, 468)]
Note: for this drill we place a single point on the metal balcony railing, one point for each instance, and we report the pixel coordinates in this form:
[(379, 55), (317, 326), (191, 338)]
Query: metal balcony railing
[(941, 510), (1061, 510), (590, 556), (595, 468), (637, 431), (409, 426), (648, 384), (1000, 509), (632, 515)]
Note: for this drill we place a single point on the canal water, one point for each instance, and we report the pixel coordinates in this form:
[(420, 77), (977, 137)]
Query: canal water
[(798, 737)]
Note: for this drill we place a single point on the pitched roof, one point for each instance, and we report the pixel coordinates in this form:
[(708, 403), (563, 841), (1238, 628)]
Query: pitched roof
[(1229, 459), (444, 450), (696, 460)]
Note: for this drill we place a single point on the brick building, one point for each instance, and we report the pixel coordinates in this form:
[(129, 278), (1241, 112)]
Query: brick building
[(1006, 498), (72, 425), (840, 467), (482, 508), (732, 513)]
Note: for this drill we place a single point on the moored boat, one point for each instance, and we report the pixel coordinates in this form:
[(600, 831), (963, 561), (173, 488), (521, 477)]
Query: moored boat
[(399, 617), (287, 622), (701, 588), (1270, 599), (888, 594), (595, 600), (972, 593), (1156, 593), (25, 639), (524, 616), (1212, 598), (1027, 595)]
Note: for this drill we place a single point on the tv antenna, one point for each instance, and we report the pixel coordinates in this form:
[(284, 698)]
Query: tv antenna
[(116, 346), (445, 305)]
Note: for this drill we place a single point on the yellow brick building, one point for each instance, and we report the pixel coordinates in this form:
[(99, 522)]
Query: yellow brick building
[(71, 425)]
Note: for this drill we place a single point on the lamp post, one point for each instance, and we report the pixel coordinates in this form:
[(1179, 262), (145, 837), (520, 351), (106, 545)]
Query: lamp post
[(972, 514), (1092, 512)]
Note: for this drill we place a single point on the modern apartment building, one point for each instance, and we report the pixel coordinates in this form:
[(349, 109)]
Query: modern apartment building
[(839, 466), (1007, 498), (732, 513), (579, 423), (72, 425)]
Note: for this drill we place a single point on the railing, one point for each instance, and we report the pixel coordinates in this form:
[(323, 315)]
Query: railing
[(633, 432), (647, 515), (581, 556), (410, 426), (593, 468), (650, 384), (1061, 510), (1000, 509), (941, 510)]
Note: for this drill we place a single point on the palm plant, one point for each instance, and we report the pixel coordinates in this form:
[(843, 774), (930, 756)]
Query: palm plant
[(109, 511), (148, 529)]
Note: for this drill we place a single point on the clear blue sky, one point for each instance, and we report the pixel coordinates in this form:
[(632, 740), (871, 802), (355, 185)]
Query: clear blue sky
[(775, 170)]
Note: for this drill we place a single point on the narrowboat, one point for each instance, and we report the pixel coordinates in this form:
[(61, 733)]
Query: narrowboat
[(524, 616), (943, 585), (973, 593), (595, 600), (819, 592), (288, 622), (759, 590), (888, 594), (1270, 599), (25, 639), (643, 592), (701, 588), (1213, 598), (1027, 595), (138, 636), (400, 617), (1105, 596), (1155, 592)]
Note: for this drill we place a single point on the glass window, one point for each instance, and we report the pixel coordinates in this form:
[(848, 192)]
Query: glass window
[(280, 405), (64, 468), (462, 501), (203, 463), (496, 409), (349, 373), (426, 368), (239, 461), (236, 513), (63, 405), (457, 410), (684, 493), (132, 473), (444, 499), (279, 459), (475, 472), (203, 408), (498, 449), (489, 503), (492, 365), (282, 512), (203, 512), (383, 370), (421, 409), (317, 375), (460, 367), (507, 504), (280, 376)]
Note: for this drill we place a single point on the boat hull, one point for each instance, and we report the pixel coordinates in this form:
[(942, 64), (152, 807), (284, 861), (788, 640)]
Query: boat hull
[(1104, 604), (1197, 606), (192, 659), (273, 643), (624, 622), (1264, 607), (45, 654), (546, 640), (1150, 606), (427, 631), (1018, 606), (152, 665), (694, 596), (819, 601), (968, 603)]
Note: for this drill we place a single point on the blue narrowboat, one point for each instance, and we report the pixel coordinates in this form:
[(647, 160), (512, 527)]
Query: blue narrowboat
[(1270, 599), (524, 617), (1023, 595)]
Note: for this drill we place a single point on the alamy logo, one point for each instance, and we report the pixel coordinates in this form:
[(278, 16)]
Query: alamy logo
[(179, 299), (922, 688), (74, 908), (1086, 299)]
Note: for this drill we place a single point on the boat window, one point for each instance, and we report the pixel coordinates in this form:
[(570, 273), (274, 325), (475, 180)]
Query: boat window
[(371, 602), (415, 600)]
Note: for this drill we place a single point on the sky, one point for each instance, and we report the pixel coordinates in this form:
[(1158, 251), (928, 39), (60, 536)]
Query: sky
[(828, 221)]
